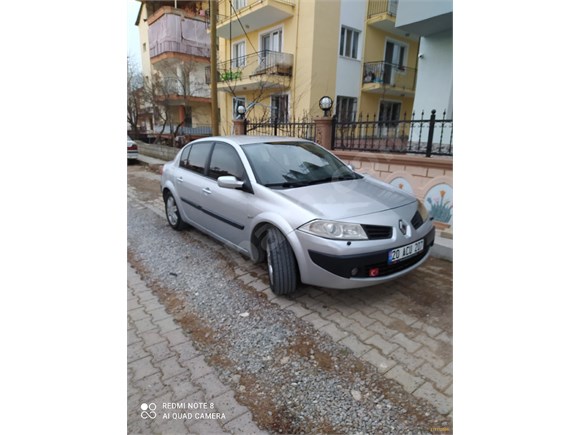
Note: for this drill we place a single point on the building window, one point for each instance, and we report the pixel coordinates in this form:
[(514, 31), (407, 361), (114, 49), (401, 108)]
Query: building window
[(349, 42), (346, 109), (239, 4), (279, 104), (238, 101), (239, 55), (389, 113)]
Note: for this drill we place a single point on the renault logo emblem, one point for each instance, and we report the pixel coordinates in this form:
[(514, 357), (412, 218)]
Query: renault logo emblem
[(403, 227)]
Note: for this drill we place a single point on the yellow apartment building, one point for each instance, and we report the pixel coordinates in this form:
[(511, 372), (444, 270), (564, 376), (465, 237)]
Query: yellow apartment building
[(279, 57)]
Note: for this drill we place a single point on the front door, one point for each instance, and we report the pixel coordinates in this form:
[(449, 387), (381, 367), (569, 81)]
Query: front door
[(225, 210)]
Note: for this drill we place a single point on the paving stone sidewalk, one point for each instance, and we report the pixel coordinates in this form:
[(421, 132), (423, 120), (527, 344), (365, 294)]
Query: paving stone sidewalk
[(170, 388)]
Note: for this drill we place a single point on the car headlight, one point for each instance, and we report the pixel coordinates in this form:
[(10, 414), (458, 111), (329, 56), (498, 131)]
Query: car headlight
[(422, 210), (335, 230)]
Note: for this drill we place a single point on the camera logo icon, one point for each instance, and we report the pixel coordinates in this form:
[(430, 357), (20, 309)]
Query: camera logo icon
[(148, 410)]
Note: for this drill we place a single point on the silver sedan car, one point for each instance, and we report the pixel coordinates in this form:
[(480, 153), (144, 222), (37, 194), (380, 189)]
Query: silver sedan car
[(295, 205)]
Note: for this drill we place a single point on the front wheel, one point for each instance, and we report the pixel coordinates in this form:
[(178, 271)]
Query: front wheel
[(281, 263), (172, 212)]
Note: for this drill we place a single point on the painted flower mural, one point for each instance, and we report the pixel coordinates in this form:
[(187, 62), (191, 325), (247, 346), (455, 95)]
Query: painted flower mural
[(402, 184), (439, 201)]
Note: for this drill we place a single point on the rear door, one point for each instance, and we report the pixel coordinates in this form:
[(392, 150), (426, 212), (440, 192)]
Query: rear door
[(190, 179)]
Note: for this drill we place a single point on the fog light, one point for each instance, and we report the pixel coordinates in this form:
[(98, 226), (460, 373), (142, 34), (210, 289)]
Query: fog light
[(374, 272)]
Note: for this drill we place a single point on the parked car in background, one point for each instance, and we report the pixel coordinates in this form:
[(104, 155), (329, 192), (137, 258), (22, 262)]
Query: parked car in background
[(132, 150), (296, 206)]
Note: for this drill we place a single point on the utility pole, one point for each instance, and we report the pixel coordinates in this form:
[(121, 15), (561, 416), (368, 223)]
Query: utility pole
[(213, 10)]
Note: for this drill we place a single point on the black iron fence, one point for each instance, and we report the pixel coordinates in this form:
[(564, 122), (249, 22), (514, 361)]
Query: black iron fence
[(304, 128), (428, 136)]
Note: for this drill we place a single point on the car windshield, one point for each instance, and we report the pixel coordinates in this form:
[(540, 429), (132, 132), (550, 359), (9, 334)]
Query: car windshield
[(283, 165)]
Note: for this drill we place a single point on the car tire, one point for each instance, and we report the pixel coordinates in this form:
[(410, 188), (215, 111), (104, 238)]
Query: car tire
[(172, 212), (281, 263)]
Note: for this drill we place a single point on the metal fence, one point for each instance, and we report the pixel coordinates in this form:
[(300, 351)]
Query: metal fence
[(428, 136), (304, 129)]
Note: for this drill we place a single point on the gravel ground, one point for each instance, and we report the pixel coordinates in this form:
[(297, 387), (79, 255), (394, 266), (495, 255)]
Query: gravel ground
[(294, 379)]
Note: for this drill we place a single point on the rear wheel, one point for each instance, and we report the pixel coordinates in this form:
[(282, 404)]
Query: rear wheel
[(172, 212), (281, 263)]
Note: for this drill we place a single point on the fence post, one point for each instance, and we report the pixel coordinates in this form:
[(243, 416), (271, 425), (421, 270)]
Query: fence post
[(239, 127), (323, 131), (276, 125), (431, 132)]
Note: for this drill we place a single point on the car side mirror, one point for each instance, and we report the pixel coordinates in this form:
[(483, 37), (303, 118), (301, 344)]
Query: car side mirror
[(230, 182)]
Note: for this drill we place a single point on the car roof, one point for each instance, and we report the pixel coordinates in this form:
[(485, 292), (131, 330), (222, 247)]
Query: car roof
[(245, 140)]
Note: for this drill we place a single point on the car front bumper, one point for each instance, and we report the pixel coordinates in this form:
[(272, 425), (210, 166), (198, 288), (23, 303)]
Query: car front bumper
[(339, 265)]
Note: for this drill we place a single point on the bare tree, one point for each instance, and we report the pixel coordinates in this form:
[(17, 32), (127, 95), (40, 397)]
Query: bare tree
[(134, 94)]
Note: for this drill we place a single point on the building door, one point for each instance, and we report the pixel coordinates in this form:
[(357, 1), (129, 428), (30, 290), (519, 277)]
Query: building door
[(394, 62), (271, 44)]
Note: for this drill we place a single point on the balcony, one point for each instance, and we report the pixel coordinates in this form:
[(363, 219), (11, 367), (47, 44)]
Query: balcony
[(253, 14), (175, 92), (263, 70), (382, 14), (175, 33), (389, 79)]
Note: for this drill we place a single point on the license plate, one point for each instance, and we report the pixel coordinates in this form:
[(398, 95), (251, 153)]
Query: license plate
[(403, 252)]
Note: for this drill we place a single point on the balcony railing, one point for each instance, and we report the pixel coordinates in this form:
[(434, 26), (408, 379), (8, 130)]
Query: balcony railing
[(174, 87), (240, 6), (377, 7), (389, 74), (266, 62)]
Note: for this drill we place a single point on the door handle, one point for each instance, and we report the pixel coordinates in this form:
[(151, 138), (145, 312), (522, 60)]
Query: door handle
[(179, 179), (207, 191)]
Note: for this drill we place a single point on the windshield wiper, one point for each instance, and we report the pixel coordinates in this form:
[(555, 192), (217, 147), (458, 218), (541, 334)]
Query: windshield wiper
[(286, 184), (332, 179)]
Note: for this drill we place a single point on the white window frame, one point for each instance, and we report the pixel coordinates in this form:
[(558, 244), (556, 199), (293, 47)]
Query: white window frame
[(271, 30), (400, 44), (235, 106), (239, 4), (237, 60), (342, 42)]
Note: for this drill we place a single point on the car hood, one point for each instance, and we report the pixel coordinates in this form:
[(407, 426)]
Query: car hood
[(347, 199)]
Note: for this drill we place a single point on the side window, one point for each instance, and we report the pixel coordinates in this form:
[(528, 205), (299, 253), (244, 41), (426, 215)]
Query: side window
[(184, 157), (225, 161), (198, 157)]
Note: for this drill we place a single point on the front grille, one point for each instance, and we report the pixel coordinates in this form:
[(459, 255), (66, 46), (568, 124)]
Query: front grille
[(376, 232), (417, 220)]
